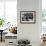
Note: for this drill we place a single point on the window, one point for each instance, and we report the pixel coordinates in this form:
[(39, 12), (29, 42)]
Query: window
[(8, 11), (43, 12), (11, 11), (1, 9), (44, 16)]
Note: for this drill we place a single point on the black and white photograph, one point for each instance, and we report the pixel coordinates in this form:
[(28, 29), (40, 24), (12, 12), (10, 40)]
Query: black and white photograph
[(27, 17)]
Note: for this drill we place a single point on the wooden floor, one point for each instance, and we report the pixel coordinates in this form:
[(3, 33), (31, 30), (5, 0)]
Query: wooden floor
[(2, 43)]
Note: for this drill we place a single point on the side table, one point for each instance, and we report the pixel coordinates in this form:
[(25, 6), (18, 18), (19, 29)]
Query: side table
[(1, 34)]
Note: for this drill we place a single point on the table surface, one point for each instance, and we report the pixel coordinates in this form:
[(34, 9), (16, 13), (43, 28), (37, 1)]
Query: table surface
[(1, 30), (10, 34)]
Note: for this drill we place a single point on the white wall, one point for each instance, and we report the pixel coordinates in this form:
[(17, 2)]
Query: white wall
[(29, 31)]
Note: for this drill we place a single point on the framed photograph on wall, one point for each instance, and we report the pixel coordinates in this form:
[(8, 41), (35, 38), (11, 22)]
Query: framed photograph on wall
[(28, 17)]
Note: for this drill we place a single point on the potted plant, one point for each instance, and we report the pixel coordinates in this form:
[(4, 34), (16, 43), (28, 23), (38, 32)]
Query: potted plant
[(1, 22)]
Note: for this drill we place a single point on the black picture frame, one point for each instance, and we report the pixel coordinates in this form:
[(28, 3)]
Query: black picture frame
[(27, 17)]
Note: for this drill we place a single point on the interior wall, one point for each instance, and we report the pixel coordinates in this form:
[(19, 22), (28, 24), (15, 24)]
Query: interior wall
[(29, 31)]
